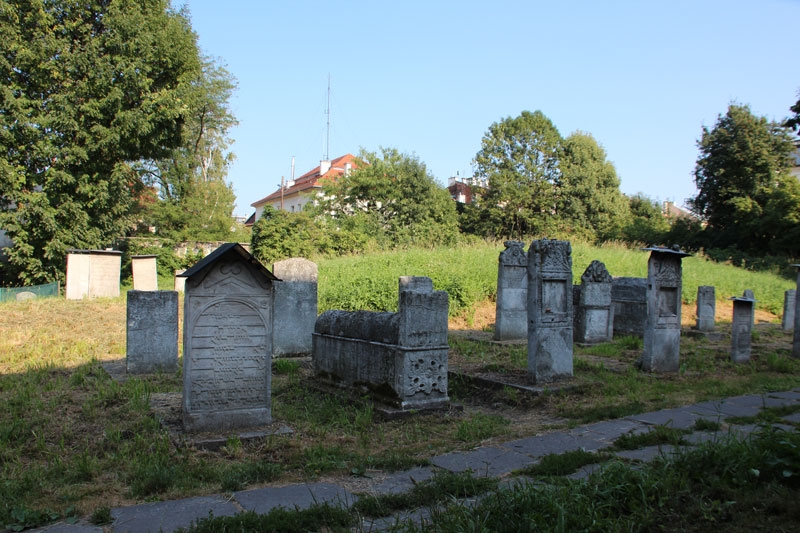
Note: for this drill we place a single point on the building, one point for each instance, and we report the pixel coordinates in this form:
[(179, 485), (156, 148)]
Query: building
[(462, 189), (295, 194)]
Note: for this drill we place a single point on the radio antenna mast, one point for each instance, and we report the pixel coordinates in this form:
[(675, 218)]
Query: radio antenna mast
[(328, 122)]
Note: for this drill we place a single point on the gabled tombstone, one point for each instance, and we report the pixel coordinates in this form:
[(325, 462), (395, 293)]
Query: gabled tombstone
[(227, 341), (594, 316), (550, 320), (662, 332)]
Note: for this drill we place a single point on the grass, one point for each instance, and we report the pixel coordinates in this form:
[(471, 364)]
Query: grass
[(75, 442)]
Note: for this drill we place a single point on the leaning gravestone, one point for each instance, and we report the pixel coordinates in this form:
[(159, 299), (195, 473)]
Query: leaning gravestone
[(295, 307), (742, 328), (662, 333), (549, 311), (594, 316), (145, 272), (227, 342), (706, 308), (511, 316), (789, 303), (152, 332)]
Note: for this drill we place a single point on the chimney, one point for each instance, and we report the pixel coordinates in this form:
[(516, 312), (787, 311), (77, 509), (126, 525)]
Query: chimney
[(324, 166)]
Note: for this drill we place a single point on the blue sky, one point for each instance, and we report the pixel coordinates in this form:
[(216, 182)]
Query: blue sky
[(429, 77)]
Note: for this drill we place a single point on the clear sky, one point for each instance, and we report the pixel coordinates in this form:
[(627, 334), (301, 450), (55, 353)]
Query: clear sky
[(429, 77)]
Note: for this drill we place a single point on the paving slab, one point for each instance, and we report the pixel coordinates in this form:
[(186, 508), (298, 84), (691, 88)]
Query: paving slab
[(484, 462), (610, 430), (300, 496), (649, 453), (168, 516), (585, 471), (793, 418), (401, 482), (554, 443), (64, 527), (792, 395), (680, 418)]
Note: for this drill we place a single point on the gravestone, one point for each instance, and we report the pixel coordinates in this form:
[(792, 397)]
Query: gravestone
[(152, 332), (706, 308), (662, 333), (789, 304), (629, 300), (145, 272), (93, 274), (180, 281), (227, 342), (594, 316), (511, 316), (796, 335), (549, 311), (295, 307), (742, 328)]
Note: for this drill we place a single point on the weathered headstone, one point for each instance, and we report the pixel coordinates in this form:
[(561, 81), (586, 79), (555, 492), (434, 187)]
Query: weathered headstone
[(400, 358), (295, 307), (742, 328), (511, 316), (796, 335), (594, 316), (706, 308), (152, 332), (227, 342), (629, 299), (180, 281), (662, 333), (92, 273), (789, 303), (145, 272), (550, 318)]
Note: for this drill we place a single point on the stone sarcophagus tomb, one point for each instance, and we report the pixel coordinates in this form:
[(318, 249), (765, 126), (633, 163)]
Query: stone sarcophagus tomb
[(227, 342), (550, 311), (400, 358), (662, 332), (511, 316)]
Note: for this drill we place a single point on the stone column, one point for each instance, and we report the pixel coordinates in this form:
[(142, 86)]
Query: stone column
[(706, 308), (145, 272), (152, 332), (295, 307), (789, 303), (742, 328), (549, 311), (594, 317), (662, 332), (511, 317)]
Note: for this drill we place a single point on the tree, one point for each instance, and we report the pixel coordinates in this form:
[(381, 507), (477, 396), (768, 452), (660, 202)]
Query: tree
[(793, 122), (196, 202), (588, 196), (88, 88), (392, 198), (743, 159), (647, 225), (520, 159)]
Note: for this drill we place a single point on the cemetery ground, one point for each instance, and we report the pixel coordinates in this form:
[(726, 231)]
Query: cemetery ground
[(76, 442)]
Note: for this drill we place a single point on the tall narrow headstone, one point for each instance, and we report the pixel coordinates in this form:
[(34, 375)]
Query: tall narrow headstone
[(796, 336), (629, 299), (180, 281), (295, 307), (152, 332), (511, 316), (145, 272), (789, 303), (93, 273), (706, 308), (549, 311), (227, 342), (742, 329), (662, 333), (594, 317)]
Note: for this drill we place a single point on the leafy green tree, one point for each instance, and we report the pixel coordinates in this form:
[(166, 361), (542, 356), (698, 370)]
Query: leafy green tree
[(647, 225), (280, 235), (196, 203), (520, 159), (743, 159), (793, 121), (588, 194), (393, 199), (88, 87)]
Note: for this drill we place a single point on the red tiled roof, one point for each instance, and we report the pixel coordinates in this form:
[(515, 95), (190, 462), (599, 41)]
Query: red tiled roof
[(310, 179)]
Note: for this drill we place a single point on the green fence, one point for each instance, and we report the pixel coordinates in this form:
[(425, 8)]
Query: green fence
[(26, 293)]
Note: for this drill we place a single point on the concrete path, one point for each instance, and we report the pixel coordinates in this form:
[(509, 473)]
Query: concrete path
[(495, 461)]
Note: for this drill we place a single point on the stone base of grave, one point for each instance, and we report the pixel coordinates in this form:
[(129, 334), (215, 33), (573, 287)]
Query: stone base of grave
[(711, 336), (499, 382), (168, 409)]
